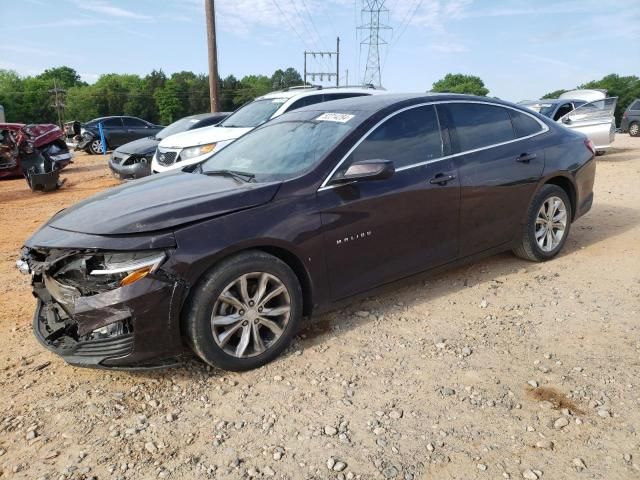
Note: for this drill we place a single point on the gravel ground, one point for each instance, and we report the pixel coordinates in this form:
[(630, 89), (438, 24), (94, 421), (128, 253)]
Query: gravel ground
[(500, 369)]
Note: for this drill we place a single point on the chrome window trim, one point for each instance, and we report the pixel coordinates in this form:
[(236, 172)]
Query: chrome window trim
[(545, 129)]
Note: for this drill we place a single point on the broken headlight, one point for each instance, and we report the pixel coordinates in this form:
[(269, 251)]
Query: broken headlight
[(100, 272)]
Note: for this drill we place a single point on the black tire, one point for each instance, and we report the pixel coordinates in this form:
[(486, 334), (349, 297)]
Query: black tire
[(634, 129), (528, 247), (196, 319), (94, 149)]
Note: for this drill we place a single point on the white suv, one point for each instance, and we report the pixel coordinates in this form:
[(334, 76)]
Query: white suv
[(188, 148)]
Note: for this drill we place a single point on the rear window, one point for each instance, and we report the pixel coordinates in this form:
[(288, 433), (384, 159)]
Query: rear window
[(523, 124), (635, 105), (478, 125)]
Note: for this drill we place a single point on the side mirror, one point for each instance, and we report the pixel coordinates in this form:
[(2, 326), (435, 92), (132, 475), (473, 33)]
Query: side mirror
[(366, 170)]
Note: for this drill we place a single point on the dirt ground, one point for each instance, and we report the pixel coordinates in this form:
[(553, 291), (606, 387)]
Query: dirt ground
[(500, 369)]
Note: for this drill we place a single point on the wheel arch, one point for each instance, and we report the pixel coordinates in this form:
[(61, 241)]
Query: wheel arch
[(284, 254), (568, 186)]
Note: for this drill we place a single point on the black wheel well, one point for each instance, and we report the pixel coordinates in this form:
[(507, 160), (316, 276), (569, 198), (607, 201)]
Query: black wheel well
[(569, 188)]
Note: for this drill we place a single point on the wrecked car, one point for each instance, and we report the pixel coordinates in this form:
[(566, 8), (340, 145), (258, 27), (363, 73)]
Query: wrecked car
[(38, 152), (329, 201), (117, 131)]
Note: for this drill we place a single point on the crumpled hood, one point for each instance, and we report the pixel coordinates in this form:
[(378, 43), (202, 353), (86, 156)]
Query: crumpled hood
[(201, 136), (142, 146), (160, 202)]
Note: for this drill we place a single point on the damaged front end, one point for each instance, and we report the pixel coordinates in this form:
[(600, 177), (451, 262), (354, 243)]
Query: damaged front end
[(105, 309)]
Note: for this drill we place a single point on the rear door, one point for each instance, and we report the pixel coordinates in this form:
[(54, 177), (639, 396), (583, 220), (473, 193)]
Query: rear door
[(134, 128), (381, 230), (499, 163), (596, 120)]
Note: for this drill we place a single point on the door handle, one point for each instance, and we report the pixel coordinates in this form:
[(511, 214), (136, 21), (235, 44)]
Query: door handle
[(441, 179), (526, 157)]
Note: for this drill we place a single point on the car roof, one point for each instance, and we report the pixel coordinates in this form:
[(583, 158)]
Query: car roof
[(553, 101), (373, 103), (202, 116), (305, 92)]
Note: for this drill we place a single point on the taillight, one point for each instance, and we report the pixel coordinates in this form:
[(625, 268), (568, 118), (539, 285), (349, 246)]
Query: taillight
[(589, 144), (624, 115)]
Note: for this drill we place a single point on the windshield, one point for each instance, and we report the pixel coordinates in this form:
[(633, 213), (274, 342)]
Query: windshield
[(181, 125), (254, 114), (545, 109), (280, 151)]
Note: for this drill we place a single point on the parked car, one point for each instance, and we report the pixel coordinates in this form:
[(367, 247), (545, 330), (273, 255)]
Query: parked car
[(133, 160), (117, 132), (553, 108), (316, 206), (37, 152), (189, 148), (631, 119), (588, 111)]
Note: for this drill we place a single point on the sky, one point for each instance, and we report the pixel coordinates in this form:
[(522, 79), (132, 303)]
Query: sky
[(522, 49)]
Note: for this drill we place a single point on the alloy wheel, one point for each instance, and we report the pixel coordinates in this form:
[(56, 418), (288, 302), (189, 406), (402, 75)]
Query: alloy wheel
[(551, 224), (250, 314), (96, 146), (633, 130)]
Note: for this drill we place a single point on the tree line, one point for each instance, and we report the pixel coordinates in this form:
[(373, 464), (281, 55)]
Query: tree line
[(155, 97), (163, 99)]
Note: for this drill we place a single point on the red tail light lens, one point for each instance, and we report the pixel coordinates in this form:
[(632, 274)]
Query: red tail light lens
[(589, 144)]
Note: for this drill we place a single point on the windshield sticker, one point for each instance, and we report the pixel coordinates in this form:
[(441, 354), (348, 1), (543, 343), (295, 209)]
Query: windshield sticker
[(335, 117)]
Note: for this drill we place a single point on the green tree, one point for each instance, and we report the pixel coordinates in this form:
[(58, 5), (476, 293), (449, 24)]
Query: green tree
[(460, 83), (228, 87), (81, 104), (65, 77), (626, 89), (554, 94), (252, 86), (284, 79), (11, 90), (171, 101)]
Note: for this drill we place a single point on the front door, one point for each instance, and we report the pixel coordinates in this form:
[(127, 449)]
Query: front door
[(596, 120), (378, 231)]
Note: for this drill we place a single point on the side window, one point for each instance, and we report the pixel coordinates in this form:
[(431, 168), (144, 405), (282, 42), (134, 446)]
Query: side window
[(635, 106), (478, 125), (305, 101), (130, 122), (112, 123), (563, 110), (410, 137), (523, 124)]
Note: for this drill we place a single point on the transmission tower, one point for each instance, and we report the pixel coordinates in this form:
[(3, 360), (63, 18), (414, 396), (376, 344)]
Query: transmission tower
[(371, 12)]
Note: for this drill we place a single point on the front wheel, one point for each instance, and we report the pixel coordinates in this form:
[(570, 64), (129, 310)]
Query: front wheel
[(95, 147), (244, 312), (547, 227), (634, 129)]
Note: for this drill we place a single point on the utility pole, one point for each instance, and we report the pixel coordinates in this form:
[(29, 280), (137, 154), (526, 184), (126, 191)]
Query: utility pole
[(210, 10), (58, 101), (371, 10), (329, 75)]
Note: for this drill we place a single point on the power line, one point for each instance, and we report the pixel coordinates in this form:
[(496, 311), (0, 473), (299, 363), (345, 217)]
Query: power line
[(275, 2)]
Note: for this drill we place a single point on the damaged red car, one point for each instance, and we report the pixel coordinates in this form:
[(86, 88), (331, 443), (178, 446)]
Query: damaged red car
[(37, 152)]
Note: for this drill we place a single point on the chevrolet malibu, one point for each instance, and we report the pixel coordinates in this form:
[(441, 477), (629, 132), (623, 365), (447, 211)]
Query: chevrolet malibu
[(227, 257)]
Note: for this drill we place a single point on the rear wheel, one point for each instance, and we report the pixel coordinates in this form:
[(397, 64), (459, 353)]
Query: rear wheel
[(548, 224), (244, 312), (634, 129)]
